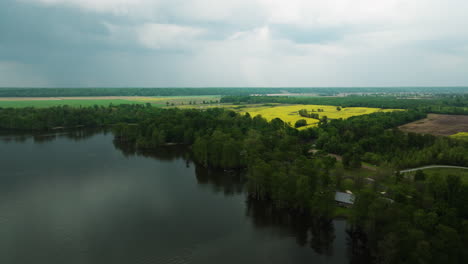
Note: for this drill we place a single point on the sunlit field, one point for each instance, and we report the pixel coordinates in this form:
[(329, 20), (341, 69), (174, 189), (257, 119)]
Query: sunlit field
[(289, 113), (69, 102)]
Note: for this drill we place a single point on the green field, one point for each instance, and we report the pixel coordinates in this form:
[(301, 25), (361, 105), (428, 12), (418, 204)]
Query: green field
[(448, 171), (461, 136), (179, 101), (74, 103)]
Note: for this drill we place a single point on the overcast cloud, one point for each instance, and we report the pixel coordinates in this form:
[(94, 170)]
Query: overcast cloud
[(167, 43)]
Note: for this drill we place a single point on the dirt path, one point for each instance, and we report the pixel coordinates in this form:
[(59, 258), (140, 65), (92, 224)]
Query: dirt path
[(434, 167)]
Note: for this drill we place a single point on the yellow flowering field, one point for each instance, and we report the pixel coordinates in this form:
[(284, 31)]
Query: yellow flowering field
[(289, 113)]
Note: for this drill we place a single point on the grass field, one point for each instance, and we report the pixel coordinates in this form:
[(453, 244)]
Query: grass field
[(461, 136), (289, 113), (74, 103), (105, 101), (448, 171)]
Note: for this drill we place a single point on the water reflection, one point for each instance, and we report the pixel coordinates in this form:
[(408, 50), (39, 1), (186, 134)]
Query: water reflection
[(358, 250), (316, 233), (87, 202), (44, 137), (164, 153), (227, 182)]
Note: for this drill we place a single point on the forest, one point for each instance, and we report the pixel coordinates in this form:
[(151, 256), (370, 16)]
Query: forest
[(420, 220)]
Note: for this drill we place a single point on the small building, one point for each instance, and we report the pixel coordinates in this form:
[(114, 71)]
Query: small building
[(344, 199)]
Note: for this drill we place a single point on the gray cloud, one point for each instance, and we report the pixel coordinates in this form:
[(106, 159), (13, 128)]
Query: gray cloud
[(232, 43)]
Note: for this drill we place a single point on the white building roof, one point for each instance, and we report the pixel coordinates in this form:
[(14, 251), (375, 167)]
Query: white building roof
[(344, 198)]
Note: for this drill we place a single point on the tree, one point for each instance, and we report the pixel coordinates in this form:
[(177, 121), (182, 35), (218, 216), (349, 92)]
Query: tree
[(454, 187), (324, 120), (419, 176), (346, 160), (300, 123), (355, 161), (398, 177)]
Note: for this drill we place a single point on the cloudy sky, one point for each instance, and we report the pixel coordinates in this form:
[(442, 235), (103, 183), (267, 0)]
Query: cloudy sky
[(192, 43)]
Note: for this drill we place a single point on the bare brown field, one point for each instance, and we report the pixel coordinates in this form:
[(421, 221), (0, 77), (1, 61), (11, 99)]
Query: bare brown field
[(439, 125)]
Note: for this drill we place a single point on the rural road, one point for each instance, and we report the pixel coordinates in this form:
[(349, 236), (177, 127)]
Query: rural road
[(433, 167)]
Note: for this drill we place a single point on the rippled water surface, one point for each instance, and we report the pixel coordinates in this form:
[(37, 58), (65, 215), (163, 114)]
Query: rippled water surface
[(79, 198)]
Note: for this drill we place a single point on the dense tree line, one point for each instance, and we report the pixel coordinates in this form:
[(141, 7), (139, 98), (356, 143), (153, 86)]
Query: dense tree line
[(305, 113), (68, 117), (425, 221), (418, 219)]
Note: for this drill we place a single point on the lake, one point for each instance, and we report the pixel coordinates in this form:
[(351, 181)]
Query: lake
[(81, 198)]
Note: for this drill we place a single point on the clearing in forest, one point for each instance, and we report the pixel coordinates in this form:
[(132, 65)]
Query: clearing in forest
[(439, 125)]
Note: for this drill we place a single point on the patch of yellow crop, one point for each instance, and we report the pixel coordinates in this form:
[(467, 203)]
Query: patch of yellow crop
[(290, 113), (461, 135)]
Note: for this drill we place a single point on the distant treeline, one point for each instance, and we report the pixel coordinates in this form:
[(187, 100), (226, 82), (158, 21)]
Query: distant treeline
[(450, 104), (321, 91)]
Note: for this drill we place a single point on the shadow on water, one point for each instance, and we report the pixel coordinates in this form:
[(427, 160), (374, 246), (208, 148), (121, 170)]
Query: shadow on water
[(163, 153), (226, 182), (316, 233), (308, 232), (229, 183), (44, 137)]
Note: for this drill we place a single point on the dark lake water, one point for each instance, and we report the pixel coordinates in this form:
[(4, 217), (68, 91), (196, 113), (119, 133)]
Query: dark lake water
[(79, 198)]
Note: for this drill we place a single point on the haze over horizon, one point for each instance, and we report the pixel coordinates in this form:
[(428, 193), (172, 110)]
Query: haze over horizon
[(256, 43)]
